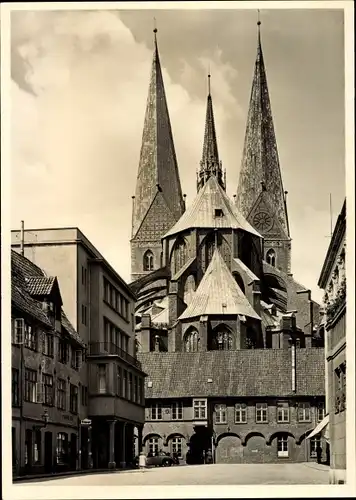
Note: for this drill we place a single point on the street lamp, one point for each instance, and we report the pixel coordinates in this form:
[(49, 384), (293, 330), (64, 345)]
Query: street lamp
[(45, 419)]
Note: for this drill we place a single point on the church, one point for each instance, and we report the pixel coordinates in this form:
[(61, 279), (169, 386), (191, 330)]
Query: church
[(227, 336)]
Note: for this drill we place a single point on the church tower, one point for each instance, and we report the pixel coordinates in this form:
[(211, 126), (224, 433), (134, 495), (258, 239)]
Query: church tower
[(260, 195), (158, 201), (210, 164)]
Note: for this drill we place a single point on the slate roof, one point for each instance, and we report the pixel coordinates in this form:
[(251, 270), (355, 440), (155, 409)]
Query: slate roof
[(158, 162), (260, 161), (218, 293), (255, 372), (201, 214), (40, 285)]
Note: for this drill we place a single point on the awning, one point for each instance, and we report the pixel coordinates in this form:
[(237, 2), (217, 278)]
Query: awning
[(319, 427)]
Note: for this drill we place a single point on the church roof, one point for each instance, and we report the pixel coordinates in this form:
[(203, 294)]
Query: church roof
[(218, 293), (260, 167), (158, 170), (244, 373), (201, 214)]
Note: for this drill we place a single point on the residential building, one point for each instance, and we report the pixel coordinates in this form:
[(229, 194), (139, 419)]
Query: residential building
[(100, 305), (226, 334), (47, 374), (333, 281)]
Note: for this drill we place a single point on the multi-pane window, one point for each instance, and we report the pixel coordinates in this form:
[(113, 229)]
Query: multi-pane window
[(30, 385), (18, 330), (314, 445), (84, 398), (15, 387), (282, 446), (73, 398), (153, 445), (192, 341), (61, 394), (76, 358), (240, 413), (62, 448), (63, 351), (115, 299), (114, 337), (48, 344), (102, 378), (200, 409), (222, 341), (304, 414), (177, 411), (30, 338), (156, 411), (48, 389), (282, 411), (177, 446), (220, 414), (261, 412), (321, 411)]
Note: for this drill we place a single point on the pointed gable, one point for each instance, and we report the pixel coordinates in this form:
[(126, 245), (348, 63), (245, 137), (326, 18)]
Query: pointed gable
[(218, 293), (263, 217), (201, 214), (158, 163), (260, 163), (157, 221)]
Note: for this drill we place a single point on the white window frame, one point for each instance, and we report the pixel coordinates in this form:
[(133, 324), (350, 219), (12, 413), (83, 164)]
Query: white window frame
[(305, 409), (156, 411), (153, 445), (177, 410), (261, 413), (320, 412), (282, 442), (202, 409), (241, 410), (220, 414), (282, 412), (177, 446)]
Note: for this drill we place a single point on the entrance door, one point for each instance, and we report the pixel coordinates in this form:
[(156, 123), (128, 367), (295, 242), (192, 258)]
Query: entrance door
[(84, 447), (200, 443), (48, 457), (28, 449), (73, 452)]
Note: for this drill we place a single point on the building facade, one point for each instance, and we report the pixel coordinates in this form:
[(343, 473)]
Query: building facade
[(101, 306), (333, 281), (226, 334)]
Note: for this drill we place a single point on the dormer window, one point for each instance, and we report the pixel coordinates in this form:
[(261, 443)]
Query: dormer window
[(219, 212)]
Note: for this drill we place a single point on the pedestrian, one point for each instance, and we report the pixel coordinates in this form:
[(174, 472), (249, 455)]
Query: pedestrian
[(318, 454)]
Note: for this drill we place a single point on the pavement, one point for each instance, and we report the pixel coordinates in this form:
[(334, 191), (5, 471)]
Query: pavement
[(217, 474)]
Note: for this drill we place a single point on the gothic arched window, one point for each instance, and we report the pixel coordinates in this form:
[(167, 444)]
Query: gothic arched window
[(148, 261), (271, 257), (179, 255), (192, 341), (222, 339)]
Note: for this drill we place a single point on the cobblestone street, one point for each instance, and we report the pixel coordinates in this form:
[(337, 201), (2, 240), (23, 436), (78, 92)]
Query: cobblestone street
[(203, 475)]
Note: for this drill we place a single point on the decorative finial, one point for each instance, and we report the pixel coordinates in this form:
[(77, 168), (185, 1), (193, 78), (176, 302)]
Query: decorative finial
[(154, 26), (209, 76), (258, 18)]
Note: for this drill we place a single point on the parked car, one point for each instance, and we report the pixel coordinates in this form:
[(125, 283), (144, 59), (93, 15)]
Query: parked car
[(162, 459)]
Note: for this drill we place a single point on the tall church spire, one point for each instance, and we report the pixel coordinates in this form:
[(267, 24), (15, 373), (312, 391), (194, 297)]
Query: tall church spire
[(260, 168), (210, 164), (158, 201), (158, 169), (260, 194)]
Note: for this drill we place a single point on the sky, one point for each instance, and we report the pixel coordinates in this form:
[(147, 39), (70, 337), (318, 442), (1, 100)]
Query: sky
[(78, 95)]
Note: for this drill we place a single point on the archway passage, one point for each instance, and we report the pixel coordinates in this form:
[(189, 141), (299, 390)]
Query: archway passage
[(200, 443), (255, 448), (229, 450)]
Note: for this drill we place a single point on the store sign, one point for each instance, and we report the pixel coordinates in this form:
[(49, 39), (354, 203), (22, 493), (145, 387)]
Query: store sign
[(86, 421)]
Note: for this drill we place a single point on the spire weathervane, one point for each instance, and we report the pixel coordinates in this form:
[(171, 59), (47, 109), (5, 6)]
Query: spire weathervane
[(155, 29)]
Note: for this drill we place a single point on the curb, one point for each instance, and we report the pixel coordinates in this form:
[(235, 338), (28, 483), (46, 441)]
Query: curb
[(54, 475)]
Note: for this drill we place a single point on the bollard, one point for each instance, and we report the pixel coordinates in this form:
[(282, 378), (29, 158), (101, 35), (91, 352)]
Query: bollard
[(142, 461)]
